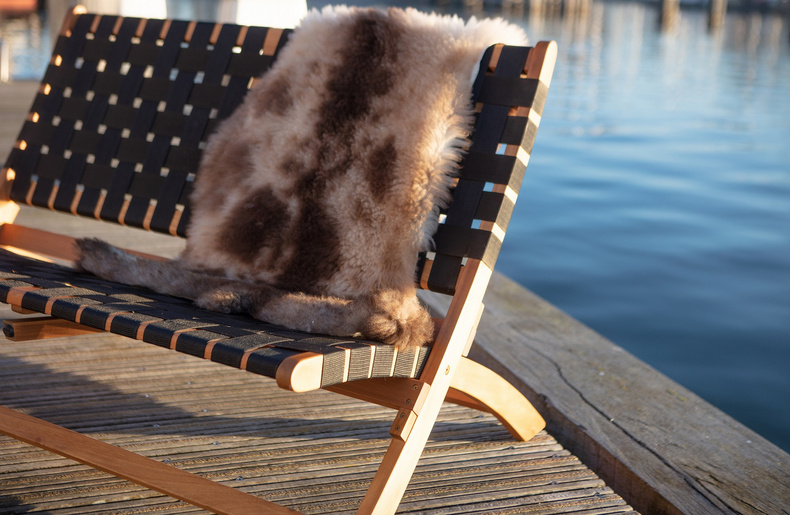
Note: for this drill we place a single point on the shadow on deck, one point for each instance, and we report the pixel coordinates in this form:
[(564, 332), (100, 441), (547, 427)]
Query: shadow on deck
[(312, 452)]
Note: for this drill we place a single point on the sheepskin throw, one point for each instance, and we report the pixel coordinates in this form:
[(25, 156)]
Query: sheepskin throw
[(315, 197)]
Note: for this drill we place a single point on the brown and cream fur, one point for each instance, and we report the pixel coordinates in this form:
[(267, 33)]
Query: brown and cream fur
[(315, 197)]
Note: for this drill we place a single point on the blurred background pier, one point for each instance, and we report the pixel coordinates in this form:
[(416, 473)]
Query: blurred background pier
[(22, 18)]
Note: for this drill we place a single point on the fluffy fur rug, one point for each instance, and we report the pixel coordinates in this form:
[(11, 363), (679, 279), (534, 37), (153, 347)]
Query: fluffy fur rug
[(315, 197)]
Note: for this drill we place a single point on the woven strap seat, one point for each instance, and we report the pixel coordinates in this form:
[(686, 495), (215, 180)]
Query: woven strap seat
[(234, 340)]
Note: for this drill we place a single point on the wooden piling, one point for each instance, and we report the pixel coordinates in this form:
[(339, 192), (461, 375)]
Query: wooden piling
[(717, 9), (669, 15)]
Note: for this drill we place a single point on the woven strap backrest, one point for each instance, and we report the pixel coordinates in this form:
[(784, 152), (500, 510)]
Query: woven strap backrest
[(125, 107), (123, 112), (509, 95)]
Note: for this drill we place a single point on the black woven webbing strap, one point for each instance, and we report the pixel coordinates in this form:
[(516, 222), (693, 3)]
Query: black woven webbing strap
[(118, 127), (237, 341), (126, 104), (508, 105)]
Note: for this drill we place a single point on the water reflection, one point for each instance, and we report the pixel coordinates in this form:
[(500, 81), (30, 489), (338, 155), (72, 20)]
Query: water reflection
[(24, 46), (27, 37)]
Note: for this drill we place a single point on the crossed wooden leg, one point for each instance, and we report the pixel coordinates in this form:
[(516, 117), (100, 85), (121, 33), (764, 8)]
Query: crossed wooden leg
[(448, 376), (476, 386), (473, 385)]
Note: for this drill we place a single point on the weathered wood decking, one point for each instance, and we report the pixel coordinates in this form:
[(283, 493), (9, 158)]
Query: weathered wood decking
[(310, 452)]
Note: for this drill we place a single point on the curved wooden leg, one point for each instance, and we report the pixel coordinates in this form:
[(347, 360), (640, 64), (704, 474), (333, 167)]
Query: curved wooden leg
[(476, 386)]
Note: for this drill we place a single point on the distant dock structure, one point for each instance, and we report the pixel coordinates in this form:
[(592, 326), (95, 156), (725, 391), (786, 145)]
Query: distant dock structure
[(717, 9), (670, 13), (669, 10)]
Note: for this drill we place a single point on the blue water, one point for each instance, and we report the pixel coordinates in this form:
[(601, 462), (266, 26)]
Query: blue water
[(656, 207), (657, 203)]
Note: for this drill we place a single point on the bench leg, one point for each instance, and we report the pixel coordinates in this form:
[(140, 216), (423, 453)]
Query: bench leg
[(144, 471), (473, 385), (478, 387), (409, 435), (411, 429)]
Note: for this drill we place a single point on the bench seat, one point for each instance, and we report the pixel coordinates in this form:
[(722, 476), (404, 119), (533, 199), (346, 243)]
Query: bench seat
[(234, 340)]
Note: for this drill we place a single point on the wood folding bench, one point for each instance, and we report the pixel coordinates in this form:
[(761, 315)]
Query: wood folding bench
[(124, 99)]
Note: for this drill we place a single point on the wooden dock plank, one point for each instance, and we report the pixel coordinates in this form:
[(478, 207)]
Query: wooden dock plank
[(657, 444), (313, 452)]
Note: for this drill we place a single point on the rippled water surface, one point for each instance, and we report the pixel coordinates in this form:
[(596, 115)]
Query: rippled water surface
[(657, 203), (656, 207)]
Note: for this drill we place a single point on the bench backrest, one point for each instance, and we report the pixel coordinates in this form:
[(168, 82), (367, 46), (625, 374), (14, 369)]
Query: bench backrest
[(126, 105)]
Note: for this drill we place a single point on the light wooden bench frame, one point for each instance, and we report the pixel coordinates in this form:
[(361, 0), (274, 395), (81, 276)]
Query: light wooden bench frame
[(446, 374)]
